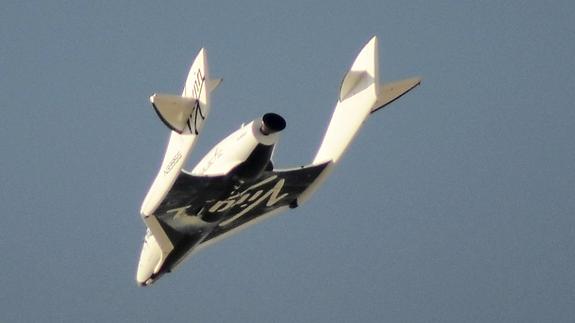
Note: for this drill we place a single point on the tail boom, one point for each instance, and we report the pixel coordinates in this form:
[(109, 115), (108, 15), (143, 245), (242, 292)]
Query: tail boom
[(360, 95), (185, 115)]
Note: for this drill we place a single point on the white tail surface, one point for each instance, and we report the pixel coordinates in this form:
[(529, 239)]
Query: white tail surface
[(195, 103), (174, 110), (392, 91), (358, 95)]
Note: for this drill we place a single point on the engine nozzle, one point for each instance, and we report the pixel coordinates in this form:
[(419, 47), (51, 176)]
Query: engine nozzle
[(272, 123)]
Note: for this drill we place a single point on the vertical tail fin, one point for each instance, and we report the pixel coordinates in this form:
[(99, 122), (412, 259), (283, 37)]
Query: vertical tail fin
[(363, 73), (358, 94), (194, 86), (185, 115)]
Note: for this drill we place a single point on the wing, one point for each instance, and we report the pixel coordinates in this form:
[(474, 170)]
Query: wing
[(279, 189), (207, 209)]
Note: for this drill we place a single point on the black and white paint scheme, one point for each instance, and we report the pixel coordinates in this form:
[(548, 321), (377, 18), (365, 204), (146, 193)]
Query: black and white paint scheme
[(236, 184)]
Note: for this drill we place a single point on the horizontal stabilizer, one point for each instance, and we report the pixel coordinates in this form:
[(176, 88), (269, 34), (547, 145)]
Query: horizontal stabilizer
[(390, 92), (174, 110), (213, 84)]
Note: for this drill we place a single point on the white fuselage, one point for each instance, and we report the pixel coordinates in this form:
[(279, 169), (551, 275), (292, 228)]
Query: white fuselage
[(234, 149), (228, 157)]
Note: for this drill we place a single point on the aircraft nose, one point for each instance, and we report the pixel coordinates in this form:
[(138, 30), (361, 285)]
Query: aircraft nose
[(146, 282), (150, 258), (142, 277)]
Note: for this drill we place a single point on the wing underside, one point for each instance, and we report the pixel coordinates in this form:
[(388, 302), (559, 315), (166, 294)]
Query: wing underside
[(280, 189), (200, 210)]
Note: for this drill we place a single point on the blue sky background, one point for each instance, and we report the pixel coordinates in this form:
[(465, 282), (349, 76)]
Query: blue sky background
[(456, 204)]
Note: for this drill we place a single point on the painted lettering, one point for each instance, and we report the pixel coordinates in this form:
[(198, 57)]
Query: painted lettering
[(197, 116), (272, 196), (173, 162)]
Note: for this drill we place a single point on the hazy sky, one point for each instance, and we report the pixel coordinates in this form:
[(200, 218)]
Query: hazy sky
[(456, 204)]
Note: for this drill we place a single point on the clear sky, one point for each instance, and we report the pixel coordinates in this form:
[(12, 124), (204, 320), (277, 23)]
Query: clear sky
[(456, 204)]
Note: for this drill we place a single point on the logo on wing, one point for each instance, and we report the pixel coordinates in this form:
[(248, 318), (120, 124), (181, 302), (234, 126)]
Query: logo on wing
[(238, 204)]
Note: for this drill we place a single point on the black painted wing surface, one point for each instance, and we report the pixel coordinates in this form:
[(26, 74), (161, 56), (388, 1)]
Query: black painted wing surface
[(209, 208)]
